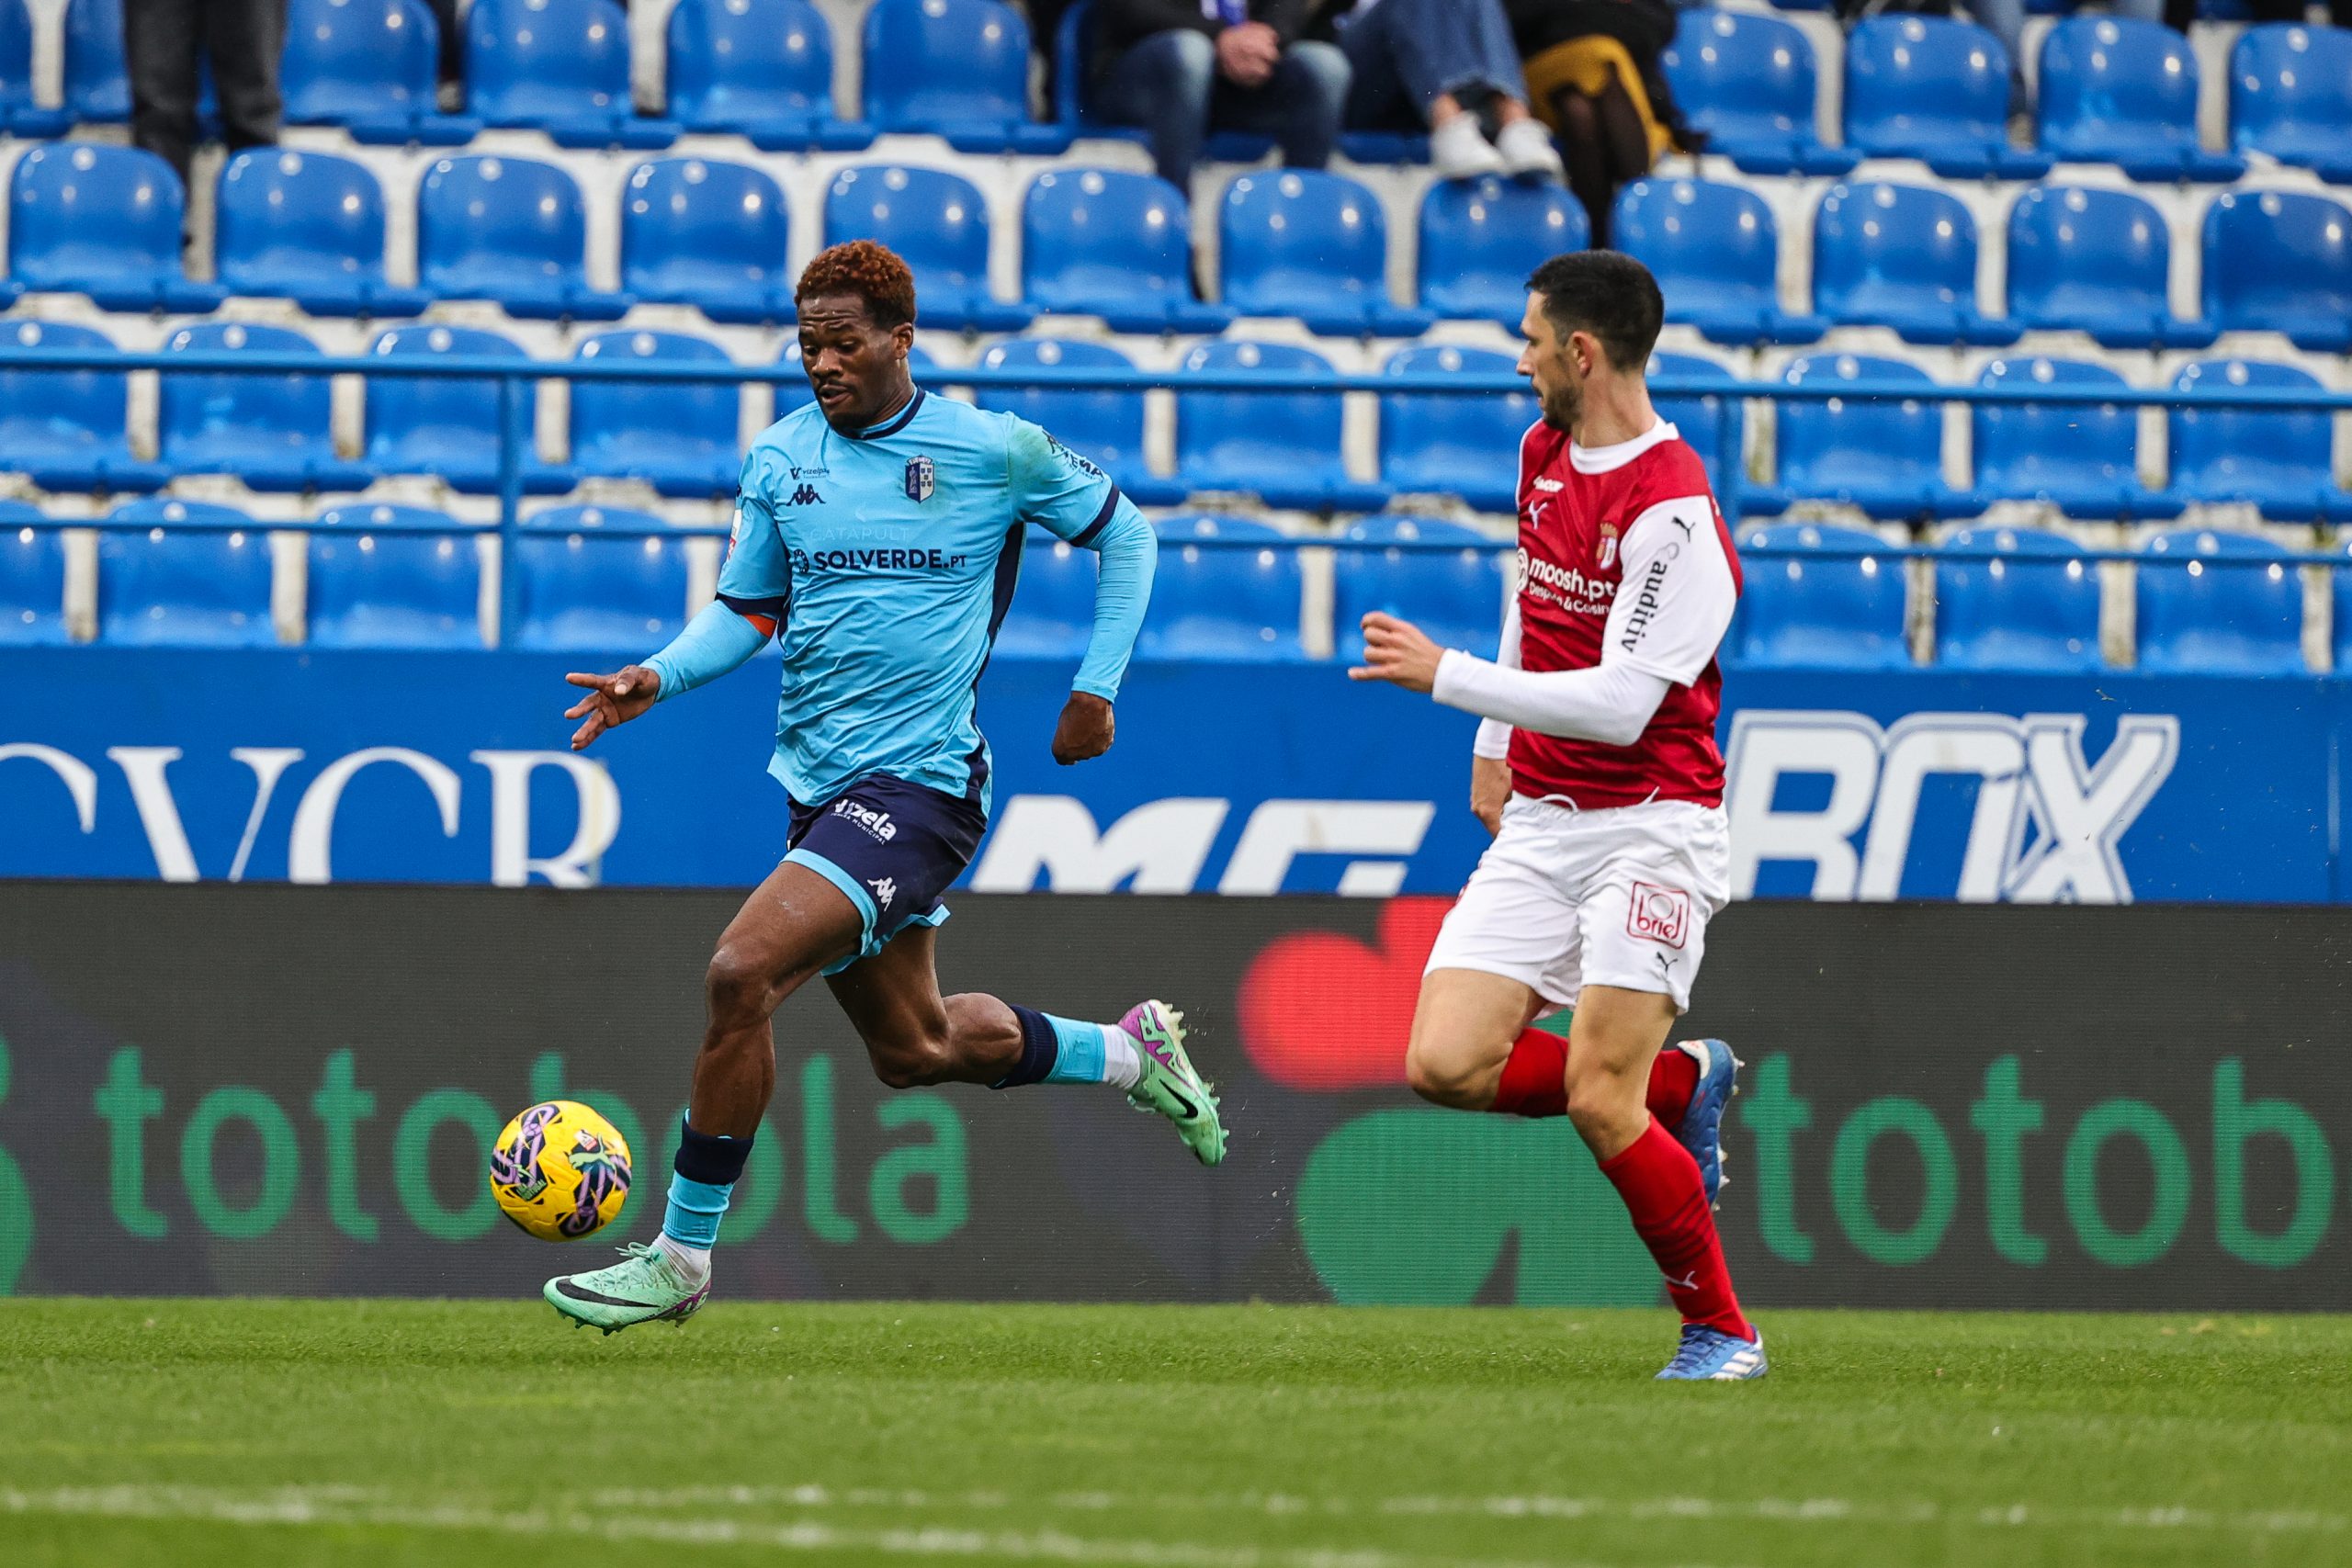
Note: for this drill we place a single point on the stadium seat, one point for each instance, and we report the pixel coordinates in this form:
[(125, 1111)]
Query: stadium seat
[(65, 429), (377, 590), (274, 431), (19, 115), (1885, 457), (759, 69), (2280, 262), (1301, 243), (371, 67), (1898, 256), (449, 426), (1053, 605), (1701, 419), (677, 436), (2280, 461), (707, 235), (1106, 427), (957, 68), (511, 231), (98, 88), (2096, 262), (2341, 604), (1073, 48), (2015, 599), (1223, 602), (1840, 611), (2202, 617), (557, 66), (103, 222), (308, 227), (176, 586), (2290, 96), (2118, 91), (1481, 238), (32, 579), (582, 592), (1118, 245), (1457, 596), (1748, 82), (1435, 444), (939, 222), (1936, 89), (1716, 253), (2082, 459), (1283, 446)]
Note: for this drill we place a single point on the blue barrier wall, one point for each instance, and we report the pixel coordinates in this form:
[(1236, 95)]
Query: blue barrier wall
[(315, 766)]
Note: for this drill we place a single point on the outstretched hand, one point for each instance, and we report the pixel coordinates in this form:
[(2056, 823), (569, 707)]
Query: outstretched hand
[(611, 699), (1397, 651), (1085, 729)]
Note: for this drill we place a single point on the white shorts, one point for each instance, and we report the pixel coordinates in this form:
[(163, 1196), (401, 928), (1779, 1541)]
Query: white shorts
[(1565, 899)]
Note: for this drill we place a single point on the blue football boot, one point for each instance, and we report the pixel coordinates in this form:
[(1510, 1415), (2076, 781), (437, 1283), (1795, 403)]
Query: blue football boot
[(1708, 1355), (1701, 1128)]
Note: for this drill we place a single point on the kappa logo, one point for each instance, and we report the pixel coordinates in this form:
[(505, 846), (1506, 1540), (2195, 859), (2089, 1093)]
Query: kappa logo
[(805, 496), (885, 889), (1658, 914), (921, 479), (878, 823)]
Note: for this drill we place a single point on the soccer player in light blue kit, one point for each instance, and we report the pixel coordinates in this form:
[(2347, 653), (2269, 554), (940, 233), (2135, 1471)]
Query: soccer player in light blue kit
[(878, 537)]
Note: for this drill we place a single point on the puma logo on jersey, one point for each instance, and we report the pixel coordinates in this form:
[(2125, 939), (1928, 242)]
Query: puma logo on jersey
[(805, 496)]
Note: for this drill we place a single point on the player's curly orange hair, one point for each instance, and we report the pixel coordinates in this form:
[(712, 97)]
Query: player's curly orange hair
[(873, 273)]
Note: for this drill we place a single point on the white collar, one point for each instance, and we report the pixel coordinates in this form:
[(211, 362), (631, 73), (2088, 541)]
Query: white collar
[(1606, 459)]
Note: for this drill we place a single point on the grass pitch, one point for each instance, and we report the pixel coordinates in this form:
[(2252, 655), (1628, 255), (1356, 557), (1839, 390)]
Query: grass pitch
[(244, 1432)]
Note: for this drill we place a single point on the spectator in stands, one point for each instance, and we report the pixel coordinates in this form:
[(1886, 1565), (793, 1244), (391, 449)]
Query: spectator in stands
[(1593, 76), (1182, 68), (1446, 65), (162, 40)]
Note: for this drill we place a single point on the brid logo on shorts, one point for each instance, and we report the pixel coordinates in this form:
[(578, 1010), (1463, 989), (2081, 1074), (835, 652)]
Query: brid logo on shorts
[(1658, 914), (878, 823)]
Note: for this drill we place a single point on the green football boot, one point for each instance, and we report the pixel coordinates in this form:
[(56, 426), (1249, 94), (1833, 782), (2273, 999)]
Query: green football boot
[(644, 1287), (1169, 1085)]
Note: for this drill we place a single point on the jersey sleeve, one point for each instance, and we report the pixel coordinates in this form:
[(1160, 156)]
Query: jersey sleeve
[(755, 581), (1676, 593), (1055, 488)]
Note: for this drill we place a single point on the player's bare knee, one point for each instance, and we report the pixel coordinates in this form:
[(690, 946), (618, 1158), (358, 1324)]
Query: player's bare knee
[(914, 1062), (1605, 1107), (740, 988), (1451, 1078)]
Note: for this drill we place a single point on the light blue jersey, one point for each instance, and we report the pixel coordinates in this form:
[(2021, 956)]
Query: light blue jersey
[(886, 560)]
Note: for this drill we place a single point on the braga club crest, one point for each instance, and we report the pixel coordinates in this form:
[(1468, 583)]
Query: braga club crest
[(1605, 556), (921, 476)]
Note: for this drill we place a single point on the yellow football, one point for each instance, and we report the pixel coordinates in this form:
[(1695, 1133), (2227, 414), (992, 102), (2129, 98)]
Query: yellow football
[(559, 1170)]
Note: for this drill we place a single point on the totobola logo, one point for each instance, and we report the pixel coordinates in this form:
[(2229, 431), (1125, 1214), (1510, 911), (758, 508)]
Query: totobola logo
[(921, 479)]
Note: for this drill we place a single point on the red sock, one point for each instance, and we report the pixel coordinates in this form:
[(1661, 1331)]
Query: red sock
[(1534, 1080), (1659, 1183)]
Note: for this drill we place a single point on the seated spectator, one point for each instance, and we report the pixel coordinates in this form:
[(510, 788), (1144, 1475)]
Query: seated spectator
[(1445, 65), (1593, 76), (1182, 68), (162, 40)]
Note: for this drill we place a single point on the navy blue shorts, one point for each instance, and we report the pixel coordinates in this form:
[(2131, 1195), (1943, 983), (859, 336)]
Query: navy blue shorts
[(893, 847)]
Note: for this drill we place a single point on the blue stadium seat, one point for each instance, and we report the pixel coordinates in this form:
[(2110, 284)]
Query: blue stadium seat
[(1301, 243), (511, 231), (957, 68), (2095, 261), (180, 587), (1073, 48), (1106, 427), (939, 222), (1883, 456), (679, 438), (273, 432), (582, 592), (2280, 461), (1481, 238), (1840, 611), (1283, 446), (707, 235), (2082, 459), (1052, 607), (32, 579), (2118, 91), (19, 115), (447, 427), (1223, 602), (1433, 444), (66, 429), (1457, 596), (2280, 262), (1700, 419), (97, 88), (377, 590), (759, 69), (1716, 253), (557, 66), (103, 222), (308, 227), (2015, 599), (2207, 617), (371, 67), (2341, 603), (1748, 82), (1936, 89), (2291, 95), (1890, 255), (1104, 242)]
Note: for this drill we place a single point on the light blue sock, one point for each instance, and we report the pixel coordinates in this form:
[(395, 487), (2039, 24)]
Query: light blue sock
[(696, 1208), (1091, 1053)]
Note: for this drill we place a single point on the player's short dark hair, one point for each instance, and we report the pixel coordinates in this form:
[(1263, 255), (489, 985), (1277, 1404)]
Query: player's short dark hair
[(874, 274), (1607, 294)]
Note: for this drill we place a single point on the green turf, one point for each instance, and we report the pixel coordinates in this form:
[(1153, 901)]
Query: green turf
[(368, 1432)]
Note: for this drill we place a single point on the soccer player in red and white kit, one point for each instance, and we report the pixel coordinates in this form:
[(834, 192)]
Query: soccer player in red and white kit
[(1597, 769)]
